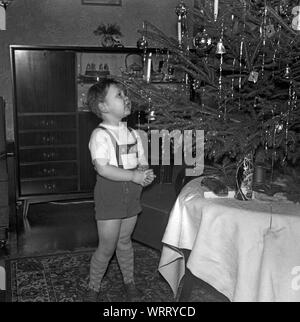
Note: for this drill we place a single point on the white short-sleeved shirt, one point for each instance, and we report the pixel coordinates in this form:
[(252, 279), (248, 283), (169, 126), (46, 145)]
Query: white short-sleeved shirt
[(101, 146)]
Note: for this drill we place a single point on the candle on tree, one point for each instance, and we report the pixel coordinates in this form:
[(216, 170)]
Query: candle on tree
[(148, 75), (216, 9), (179, 30)]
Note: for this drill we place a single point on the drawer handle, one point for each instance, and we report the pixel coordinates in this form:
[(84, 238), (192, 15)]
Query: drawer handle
[(49, 156), (48, 139), (49, 172), (47, 124), (50, 186)]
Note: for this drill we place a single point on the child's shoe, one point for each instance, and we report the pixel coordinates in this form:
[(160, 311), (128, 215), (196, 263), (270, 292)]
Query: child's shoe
[(133, 294)]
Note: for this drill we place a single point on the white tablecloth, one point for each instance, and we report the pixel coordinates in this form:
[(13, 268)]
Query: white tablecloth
[(247, 250)]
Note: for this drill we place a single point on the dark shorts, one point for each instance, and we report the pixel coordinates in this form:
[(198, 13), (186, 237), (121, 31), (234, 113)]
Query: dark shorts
[(116, 199)]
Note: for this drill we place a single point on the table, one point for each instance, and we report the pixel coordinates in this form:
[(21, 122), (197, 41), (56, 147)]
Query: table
[(247, 250)]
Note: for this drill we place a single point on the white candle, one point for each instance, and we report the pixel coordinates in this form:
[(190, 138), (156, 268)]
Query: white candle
[(148, 75), (179, 30), (216, 9)]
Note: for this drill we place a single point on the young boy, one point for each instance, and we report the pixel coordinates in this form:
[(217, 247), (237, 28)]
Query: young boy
[(117, 155)]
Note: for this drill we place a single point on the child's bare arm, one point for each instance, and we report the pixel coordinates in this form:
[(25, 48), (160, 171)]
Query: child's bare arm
[(117, 174)]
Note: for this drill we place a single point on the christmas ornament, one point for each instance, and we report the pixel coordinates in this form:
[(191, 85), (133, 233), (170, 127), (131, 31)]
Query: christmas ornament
[(275, 52), (240, 69), (151, 116), (296, 19), (220, 48), (283, 8), (196, 84), (151, 112), (270, 31), (253, 77), (202, 40), (287, 72), (142, 43), (244, 178), (263, 35), (232, 79), (278, 127), (181, 9)]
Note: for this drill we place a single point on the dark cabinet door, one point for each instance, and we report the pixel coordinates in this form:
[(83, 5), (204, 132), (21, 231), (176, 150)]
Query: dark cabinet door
[(44, 81)]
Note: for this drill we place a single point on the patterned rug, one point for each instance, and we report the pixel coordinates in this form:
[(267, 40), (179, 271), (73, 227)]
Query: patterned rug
[(63, 277)]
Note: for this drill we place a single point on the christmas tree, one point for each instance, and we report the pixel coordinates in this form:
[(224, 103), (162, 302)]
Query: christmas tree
[(242, 67)]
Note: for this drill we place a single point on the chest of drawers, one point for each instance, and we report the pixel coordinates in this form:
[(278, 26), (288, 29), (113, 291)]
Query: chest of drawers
[(51, 135)]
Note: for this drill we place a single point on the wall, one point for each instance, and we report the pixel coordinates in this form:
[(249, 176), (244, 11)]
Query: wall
[(69, 22)]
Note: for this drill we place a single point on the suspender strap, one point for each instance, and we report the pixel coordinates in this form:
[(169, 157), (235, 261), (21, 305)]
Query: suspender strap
[(115, 143), (132, 132)]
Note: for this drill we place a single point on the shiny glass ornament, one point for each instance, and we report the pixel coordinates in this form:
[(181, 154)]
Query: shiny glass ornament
[(253, 77), (220, 50), (202, 40), (270, 31)]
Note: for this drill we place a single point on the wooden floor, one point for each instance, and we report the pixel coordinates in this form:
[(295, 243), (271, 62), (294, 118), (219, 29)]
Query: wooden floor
[(52, 228), (55, 227)]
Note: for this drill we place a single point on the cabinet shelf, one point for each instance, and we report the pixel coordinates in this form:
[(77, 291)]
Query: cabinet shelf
[(48, 178), (47, 162), (46, 130), (20, 114), (89, 79), (38, 147)]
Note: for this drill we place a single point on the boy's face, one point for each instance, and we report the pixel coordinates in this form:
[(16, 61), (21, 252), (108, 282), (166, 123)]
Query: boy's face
[(116, 102)]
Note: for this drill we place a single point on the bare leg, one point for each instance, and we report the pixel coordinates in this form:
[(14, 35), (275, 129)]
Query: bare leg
[(108, 234), (124, 250)]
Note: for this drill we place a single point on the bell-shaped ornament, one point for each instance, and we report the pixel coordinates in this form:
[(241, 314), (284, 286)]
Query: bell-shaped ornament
[(152, 115), (220, 50), (287, 73)]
